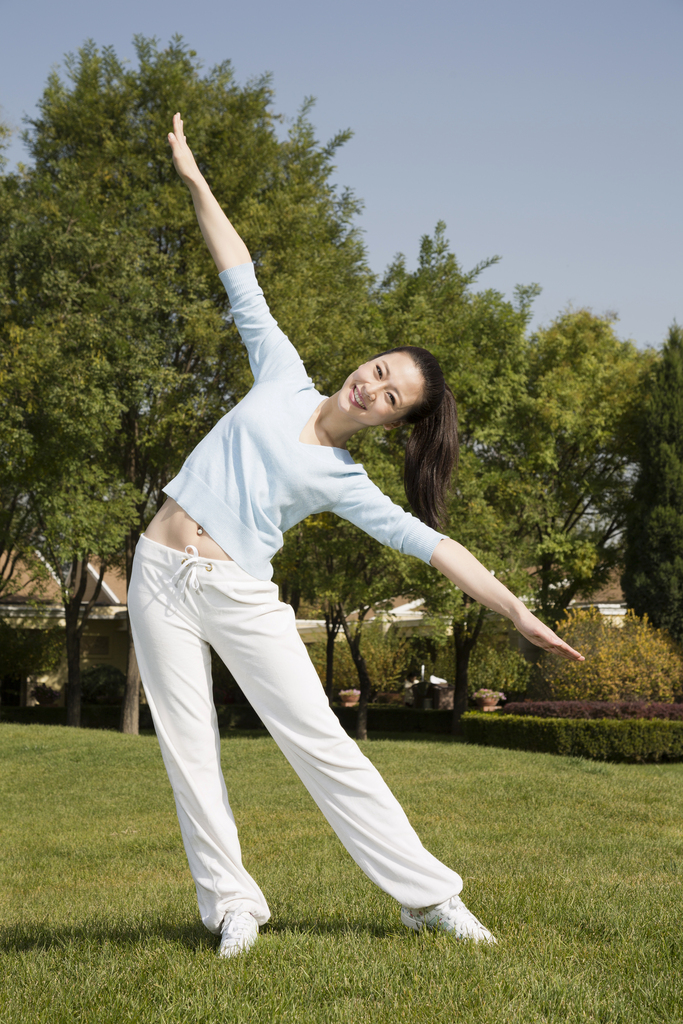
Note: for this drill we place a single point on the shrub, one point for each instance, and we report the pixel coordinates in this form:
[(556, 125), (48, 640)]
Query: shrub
[(28, 652), (634, 740), (498, 668), (630, 660), (594, 709), (102, 684)]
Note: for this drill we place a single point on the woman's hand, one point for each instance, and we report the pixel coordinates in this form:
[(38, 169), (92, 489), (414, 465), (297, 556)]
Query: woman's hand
[(542, 636), (223, 242), (461, 567), (185, 163)]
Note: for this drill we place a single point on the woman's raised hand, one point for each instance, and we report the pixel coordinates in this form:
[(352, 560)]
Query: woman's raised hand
[(224, 244), (185, 163), (542, 636)]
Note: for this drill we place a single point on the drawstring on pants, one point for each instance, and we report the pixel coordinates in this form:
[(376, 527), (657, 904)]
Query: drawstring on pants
[(187, 571)]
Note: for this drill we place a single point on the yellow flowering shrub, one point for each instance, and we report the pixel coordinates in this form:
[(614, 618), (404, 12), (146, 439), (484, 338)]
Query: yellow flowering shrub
[(626, 660)]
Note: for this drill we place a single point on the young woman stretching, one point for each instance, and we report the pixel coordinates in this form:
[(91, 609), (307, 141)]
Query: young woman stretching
[(202, 576)]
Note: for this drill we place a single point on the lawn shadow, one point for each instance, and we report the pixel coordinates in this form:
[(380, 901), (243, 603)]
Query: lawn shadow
[(21, 937), (191, 935), (361, 924)]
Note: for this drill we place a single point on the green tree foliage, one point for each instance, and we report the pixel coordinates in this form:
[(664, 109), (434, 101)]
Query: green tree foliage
[(653, 577), (144, 281), (479, 339), (68, 503), (17, 368), (630, 660), (566, 459), (547, 428)]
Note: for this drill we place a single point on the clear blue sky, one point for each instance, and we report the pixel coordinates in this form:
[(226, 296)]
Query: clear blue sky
[(548, 133)]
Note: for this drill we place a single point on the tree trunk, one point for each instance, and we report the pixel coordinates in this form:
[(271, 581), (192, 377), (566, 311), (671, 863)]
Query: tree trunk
[(73, 661), (363, 675), (329, 664), (465, 636), (462, 665), (362, 719), (332, 626), (130, 712), (74, 630)]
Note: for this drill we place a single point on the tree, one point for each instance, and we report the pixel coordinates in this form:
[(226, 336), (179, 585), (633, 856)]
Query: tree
[(338, 568), (99, 145), (547, 432), (307, 566), (81, 515), (17, 366), (478, 522), (653, 573), (565, 461), (61, 433), (479, 339)]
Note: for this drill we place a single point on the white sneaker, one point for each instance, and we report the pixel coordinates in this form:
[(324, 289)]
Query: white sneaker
[(239, 931), (450, 916)]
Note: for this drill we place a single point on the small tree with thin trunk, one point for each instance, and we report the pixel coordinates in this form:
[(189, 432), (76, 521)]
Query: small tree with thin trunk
[(81, 519), (337, 567)]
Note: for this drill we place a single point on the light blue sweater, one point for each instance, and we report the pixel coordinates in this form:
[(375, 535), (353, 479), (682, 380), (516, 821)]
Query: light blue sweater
[(251, 478)]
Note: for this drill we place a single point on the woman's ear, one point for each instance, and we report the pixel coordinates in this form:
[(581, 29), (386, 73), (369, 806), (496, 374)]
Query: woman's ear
[(392, 426)]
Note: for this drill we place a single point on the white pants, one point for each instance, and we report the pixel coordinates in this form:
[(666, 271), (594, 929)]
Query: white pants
[(216, 603)]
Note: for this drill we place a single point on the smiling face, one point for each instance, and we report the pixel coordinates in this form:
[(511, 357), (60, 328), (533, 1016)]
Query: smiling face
[(382, 391)]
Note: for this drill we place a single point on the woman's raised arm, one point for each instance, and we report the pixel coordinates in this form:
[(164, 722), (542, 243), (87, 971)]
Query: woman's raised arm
[(224, 244), (461, 567)]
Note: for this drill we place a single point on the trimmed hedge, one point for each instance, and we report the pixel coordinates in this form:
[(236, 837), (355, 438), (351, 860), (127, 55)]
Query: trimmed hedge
[(105, 716), (394, 718), (93, 716), (594, 709), (634, 740), (381, 717)]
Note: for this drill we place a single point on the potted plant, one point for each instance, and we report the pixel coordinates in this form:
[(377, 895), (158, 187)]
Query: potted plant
[(349, 698), (488, 699)]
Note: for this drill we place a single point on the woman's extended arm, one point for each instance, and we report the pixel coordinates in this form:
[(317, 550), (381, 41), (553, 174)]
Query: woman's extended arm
[(224, 244), (462, 568)]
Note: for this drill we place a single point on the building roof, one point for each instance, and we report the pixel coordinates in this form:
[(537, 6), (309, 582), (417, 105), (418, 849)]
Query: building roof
[(21, 589)]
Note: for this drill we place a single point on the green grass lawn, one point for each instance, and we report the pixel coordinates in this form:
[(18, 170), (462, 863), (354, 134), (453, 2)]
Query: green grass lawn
[(577, 867)]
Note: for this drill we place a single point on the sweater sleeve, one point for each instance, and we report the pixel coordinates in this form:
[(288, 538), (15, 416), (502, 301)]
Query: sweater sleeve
[(271, 354), (367, 507)]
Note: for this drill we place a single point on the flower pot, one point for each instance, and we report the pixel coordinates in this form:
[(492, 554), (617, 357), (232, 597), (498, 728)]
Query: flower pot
[(487, 703), (349, 702)]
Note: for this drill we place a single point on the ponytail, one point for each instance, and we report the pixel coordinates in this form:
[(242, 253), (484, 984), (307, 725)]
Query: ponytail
[(432, 448)]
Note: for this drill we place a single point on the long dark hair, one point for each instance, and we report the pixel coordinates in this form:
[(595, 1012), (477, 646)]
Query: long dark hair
[(432, 448)]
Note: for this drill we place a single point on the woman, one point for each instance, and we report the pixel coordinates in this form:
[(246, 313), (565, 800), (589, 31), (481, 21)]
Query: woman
[(202, 576)]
